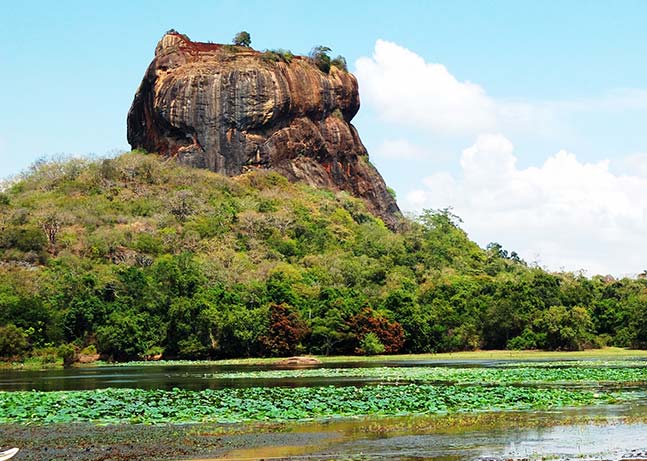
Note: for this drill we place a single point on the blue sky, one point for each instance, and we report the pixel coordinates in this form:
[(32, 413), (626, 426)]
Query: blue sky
[(543, 102)]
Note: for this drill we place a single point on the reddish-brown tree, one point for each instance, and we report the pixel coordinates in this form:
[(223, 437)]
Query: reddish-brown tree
[(390, 333), (286, 331)]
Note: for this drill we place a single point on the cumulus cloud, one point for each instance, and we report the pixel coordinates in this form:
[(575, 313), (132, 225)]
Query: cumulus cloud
[(405, 88), (566, 213), (635, 164)]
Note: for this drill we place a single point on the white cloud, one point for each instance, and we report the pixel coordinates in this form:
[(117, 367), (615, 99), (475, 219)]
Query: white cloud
[(404, 88), (407, 90), (635, 164), (566, 212), (398, 148), (570, 214)]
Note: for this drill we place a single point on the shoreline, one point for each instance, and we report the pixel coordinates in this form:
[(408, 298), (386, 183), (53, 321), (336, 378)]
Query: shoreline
[(614, 353)]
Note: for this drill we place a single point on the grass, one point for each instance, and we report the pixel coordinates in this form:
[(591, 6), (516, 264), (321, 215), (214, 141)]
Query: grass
[(606, 353), (32, 363)]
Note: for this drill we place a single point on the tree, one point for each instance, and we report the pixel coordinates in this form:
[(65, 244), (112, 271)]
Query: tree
[(51, 224), (13, 341), (390, 334), (286, 331), (320, 57), (565, 328), (129, 335), (242, 38)]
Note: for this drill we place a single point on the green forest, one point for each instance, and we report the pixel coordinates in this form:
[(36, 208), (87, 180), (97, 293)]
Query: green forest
[(136, 257)]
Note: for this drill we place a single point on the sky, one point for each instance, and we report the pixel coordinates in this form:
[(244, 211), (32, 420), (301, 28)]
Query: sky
[(528, 119)]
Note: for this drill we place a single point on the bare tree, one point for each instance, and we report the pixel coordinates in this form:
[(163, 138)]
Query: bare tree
[(182, 204), (51, 224)]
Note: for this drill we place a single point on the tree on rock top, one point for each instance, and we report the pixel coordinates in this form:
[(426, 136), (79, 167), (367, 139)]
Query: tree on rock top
[(320, 56), (242, 39)]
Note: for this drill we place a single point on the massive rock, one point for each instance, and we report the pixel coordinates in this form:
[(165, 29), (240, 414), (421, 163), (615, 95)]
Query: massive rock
[(233, 109)]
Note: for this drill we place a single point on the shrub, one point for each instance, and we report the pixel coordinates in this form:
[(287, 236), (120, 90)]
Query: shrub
[(340, 63), (127, 335), (370, 345), (23, 238), (89, 350), (13, 341), (182, 204), (46, 355), (67, 353), (527, 340), (279, 55)]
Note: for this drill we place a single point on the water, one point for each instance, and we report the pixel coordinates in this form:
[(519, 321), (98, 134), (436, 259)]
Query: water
[(153, 377), (612, 432), (199, 377), (193, 377), (600, 433)]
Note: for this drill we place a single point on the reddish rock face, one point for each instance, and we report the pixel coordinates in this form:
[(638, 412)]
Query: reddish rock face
[(229, 110)]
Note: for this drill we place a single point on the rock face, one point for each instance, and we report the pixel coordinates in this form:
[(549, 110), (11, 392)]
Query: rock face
[(231, 109)]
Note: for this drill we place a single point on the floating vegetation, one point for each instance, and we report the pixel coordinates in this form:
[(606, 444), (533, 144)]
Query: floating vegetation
[(532, 374), (280, 403)]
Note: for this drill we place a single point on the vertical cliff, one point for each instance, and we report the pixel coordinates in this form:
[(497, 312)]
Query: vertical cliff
[(232, 109)]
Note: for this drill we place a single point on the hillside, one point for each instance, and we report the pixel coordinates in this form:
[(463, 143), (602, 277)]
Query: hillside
[(138, 256)]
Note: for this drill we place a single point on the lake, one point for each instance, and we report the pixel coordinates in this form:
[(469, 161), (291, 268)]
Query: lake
[(602, 428)]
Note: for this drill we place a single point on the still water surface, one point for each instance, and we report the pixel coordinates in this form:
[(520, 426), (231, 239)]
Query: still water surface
[(198, 377), (603, 432)]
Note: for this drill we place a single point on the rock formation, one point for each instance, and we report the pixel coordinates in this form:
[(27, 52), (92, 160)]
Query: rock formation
[(232, 109)]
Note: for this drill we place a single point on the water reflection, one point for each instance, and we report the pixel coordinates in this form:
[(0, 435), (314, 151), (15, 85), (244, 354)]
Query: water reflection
[(607, 432), (199, 377)]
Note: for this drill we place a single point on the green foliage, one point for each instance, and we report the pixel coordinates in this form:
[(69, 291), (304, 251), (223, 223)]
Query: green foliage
[(279, 55), (47, 355), (242, 38), (128, 335), (89, 350), (67, 353), (340, 63), (24, 238), (531, 373), (389, 335), (137, 256), (320, 57), (565, 328), (13, 341), (280, 403), (4, 199), (371, 345)]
